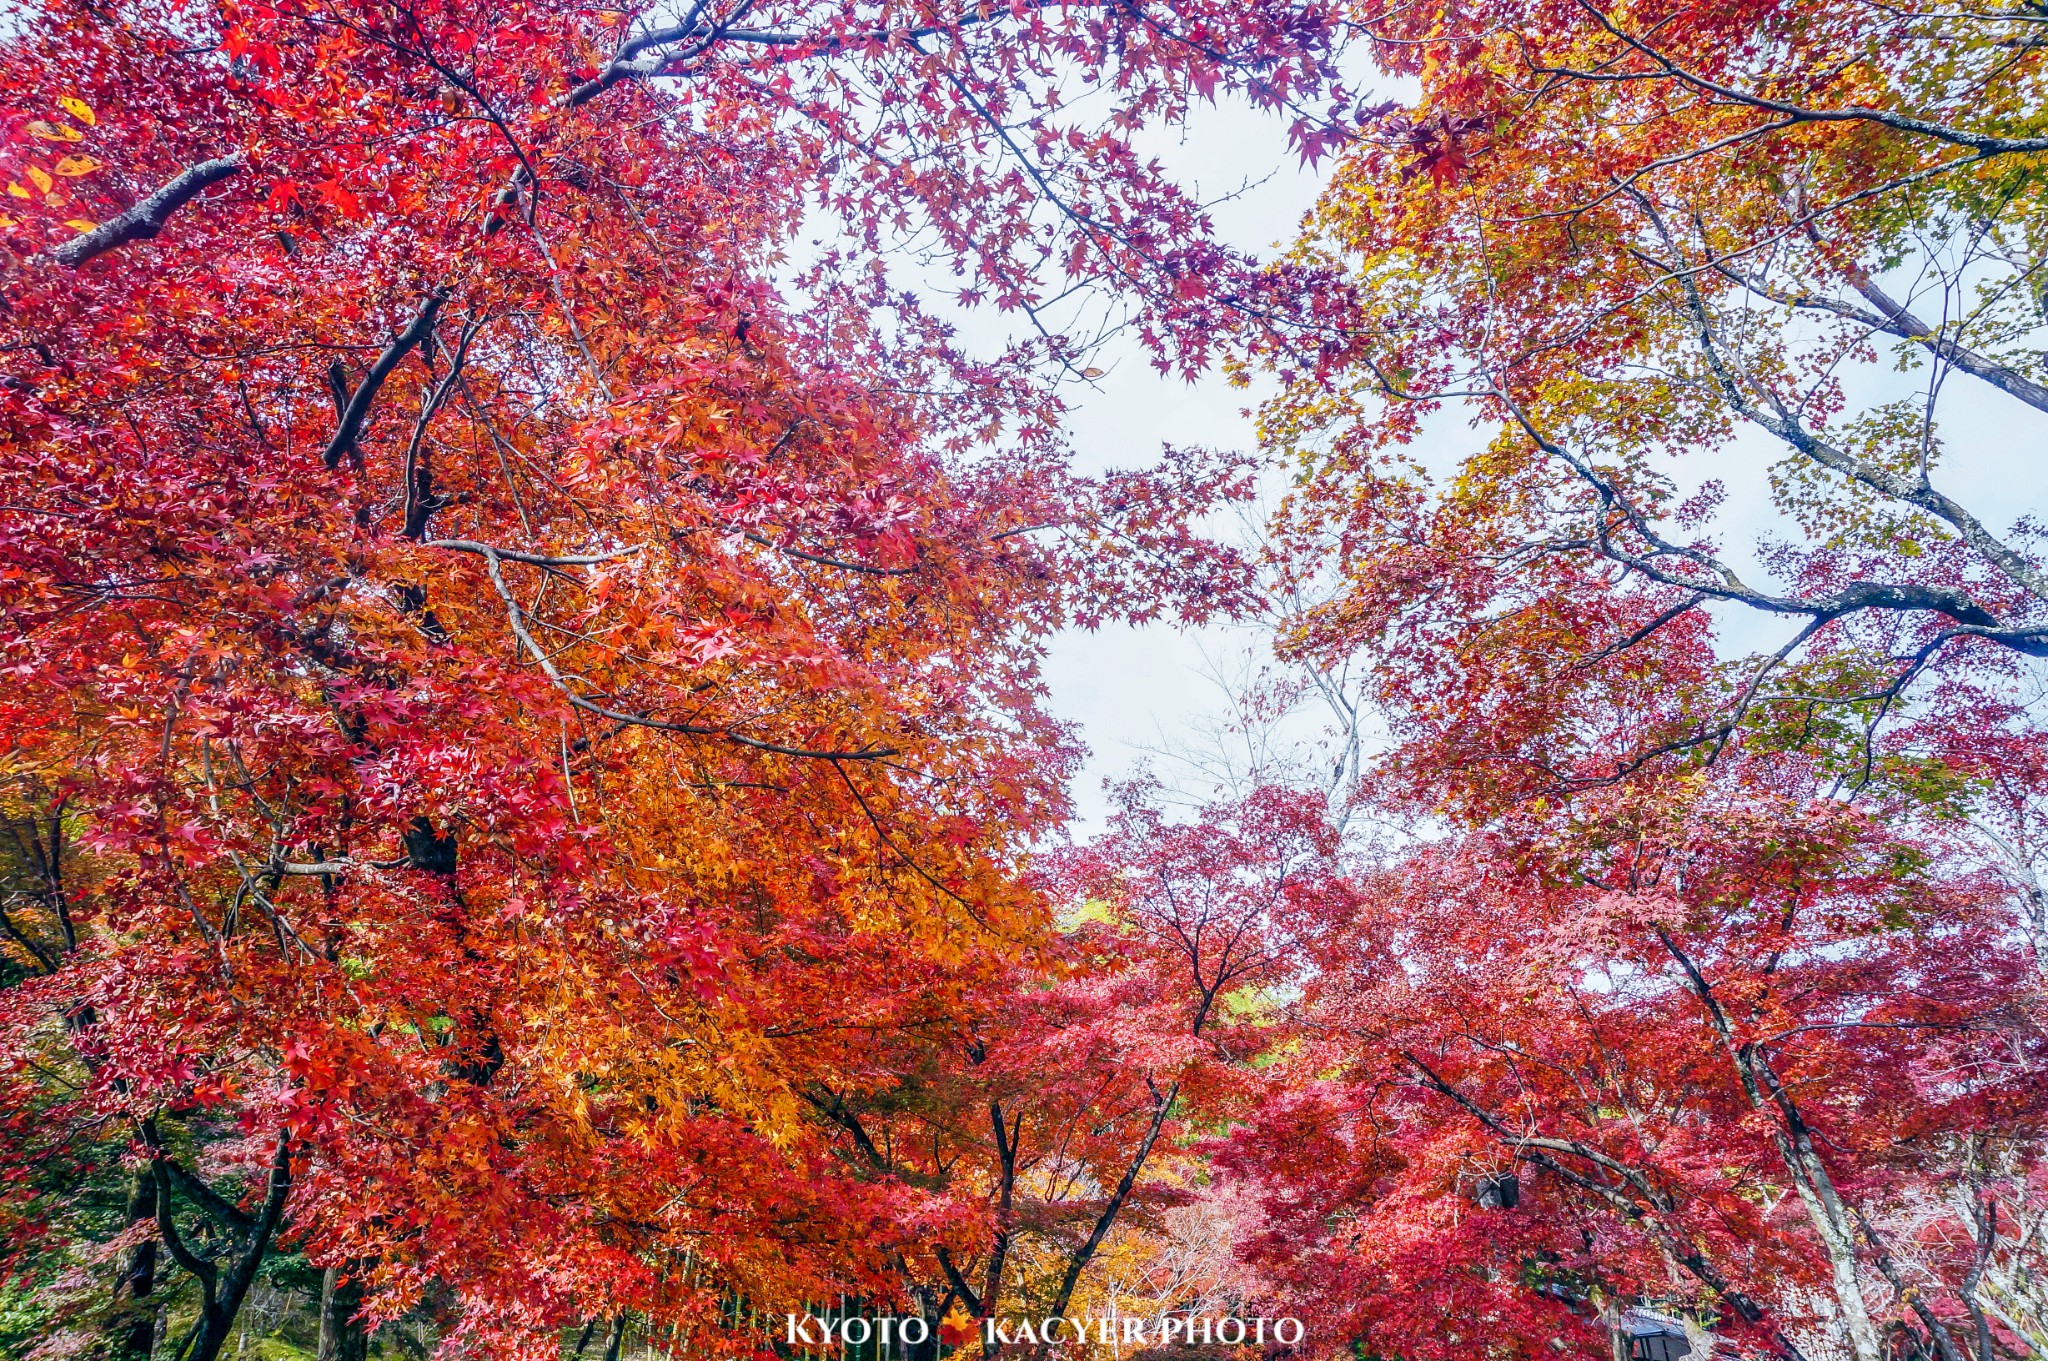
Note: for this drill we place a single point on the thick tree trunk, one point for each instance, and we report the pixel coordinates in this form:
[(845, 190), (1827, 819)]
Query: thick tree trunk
[(342, 1336), (1831, 1220), (1821, 1212)]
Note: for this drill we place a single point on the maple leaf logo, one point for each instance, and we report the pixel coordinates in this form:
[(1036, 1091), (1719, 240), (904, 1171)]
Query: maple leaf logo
[(956, 1329)]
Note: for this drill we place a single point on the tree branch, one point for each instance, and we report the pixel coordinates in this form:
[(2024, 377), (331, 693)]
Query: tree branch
[(958, 1281), (824, 561), (147, 218), (1984, 144), (1082, 1254), (358, 409), (530, 559), (516, 617), (1538, 1151)]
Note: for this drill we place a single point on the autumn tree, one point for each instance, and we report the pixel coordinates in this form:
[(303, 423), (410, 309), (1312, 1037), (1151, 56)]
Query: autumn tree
[(1714, 1038), (1730, 953), (502, 662), (1635, 243), (1059, 1109)]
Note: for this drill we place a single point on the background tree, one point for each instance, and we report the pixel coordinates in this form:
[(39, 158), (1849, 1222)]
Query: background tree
[(1739, 1049), (1062, 1105), (1684, 913)]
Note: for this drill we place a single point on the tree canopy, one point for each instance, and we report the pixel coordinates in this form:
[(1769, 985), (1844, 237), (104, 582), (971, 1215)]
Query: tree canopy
[(533, 823)]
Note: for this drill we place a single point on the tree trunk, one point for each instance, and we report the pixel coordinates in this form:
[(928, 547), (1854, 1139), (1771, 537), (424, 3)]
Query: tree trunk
[(932, 1311), (342, 1335), (1808, 1174), (131, 1324), (222, 1292)]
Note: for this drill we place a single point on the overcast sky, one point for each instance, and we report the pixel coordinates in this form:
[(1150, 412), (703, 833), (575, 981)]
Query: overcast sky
[(1132, 690)]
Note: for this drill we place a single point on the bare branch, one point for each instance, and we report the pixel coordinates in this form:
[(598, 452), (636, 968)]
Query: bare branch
[(530, 559)]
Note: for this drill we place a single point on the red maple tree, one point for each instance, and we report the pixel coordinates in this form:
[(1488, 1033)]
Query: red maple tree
[(502, 668)]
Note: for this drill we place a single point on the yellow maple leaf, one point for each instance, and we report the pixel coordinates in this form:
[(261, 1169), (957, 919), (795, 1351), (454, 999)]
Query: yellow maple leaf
[(50, 132), (74, 166), (79, 109), (41, 178), (81, 225)]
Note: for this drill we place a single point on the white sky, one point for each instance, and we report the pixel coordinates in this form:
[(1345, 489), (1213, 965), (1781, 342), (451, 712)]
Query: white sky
[(1134, 690)]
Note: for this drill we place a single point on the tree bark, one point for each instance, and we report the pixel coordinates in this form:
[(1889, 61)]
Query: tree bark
[(1082, 1255), (350, 423), (222, 1292), (1810, 1178), (342, 1335), (131, 1325), (147, 218)]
